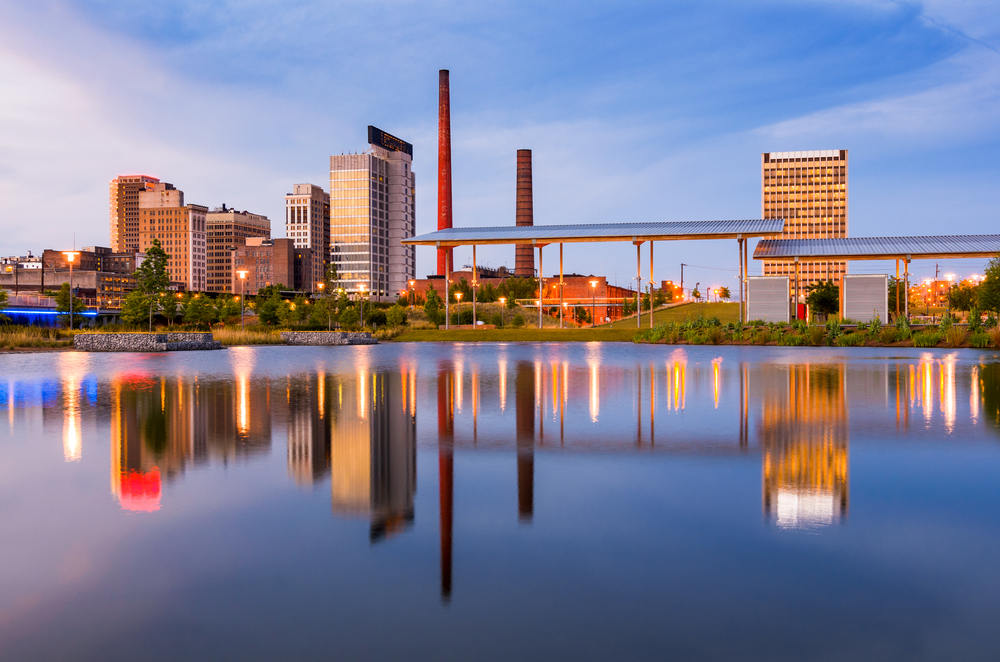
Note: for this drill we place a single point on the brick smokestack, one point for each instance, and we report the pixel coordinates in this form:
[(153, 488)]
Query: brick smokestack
[(524, 256), (444, 167)]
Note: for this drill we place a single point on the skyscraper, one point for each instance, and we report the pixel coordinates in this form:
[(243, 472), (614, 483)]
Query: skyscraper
[(371, 210), (180, 229), (123, 198), (809, 191), (228, 231), (307, 223)]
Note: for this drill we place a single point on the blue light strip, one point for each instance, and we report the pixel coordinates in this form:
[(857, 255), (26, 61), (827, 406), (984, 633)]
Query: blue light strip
[(43, 312)]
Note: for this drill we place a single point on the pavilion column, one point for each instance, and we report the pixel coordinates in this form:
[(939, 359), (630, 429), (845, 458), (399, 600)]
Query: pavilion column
[(638, 285), (541, 287), (475, 281), (651, 283), (746, 281), (906, 287), (560, 286), (897, 288), (796, 308), (447, 280), (739, 270)]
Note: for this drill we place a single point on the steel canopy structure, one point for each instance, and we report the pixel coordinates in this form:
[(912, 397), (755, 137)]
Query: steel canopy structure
[(880, 248), (600, 232)]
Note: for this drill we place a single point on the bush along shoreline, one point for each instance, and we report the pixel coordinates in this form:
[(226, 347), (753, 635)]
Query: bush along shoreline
[(835, 333)]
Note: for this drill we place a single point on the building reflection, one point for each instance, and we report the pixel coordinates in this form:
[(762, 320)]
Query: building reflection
[(311, 419), (446, 470), (527, 387), (803, 430), (372, 449)]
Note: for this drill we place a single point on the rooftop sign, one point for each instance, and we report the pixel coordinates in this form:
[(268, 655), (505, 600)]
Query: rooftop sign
[(388, 141)]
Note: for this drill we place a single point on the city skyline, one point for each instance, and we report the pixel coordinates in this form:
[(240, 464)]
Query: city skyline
[(913, 107)]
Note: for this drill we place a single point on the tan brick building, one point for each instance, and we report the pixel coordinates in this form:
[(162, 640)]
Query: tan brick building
[(307, 224), (228, 230), (123, 199), (808, 190), (180, 229)]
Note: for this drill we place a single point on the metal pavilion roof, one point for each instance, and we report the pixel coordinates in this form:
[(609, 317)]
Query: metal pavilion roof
[(585, 232), (880, 248)]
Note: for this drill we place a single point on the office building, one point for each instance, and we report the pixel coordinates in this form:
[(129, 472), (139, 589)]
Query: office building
[(809, 191), (307, 224), (371, 211), (227, 230), (180, 229), (268, 262), (123, 200)]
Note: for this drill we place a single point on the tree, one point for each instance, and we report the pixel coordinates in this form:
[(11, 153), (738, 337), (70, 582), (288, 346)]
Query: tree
[(724, 293), (226, 307), (432, 307), (199, 310), (892, 294), (350, 318), (963, 297), (695, 294), (396, 316), (168, 305), (487, 293), (989, 290), (823, 297), (135, 307), (151, 277), (63, 301), (661, 296), (461, 286)]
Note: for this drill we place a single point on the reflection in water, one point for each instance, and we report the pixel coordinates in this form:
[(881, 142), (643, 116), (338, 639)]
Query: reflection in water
[(804, 436)]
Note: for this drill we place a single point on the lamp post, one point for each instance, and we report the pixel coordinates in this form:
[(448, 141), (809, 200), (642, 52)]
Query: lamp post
[(70, 257), (458, 307), (242, 273), (361, 301), (329, 313), (413, 294), (593, 303), (503, 301)]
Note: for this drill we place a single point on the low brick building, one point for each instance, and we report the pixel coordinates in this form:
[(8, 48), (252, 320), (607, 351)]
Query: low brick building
[(272, 262)]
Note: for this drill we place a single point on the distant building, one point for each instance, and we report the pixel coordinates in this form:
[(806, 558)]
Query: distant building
[(307, 223), (100, 276), (180, 229), (227, 230), (123, 198), (809, 191), (372, 199), (267, 262)]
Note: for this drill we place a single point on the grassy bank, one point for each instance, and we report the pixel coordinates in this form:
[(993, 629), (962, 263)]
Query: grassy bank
[(517, 335), (725, 312), (33, 337), (249, 337)]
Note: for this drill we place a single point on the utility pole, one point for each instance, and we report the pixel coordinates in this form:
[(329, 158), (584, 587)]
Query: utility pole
[(682, 279)]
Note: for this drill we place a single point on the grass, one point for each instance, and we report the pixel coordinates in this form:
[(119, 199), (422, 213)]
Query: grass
[(237, 337), (726, 312), (18, 337), (600, 334)]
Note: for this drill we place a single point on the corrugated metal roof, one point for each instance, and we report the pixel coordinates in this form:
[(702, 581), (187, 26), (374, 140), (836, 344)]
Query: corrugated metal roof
[(880, 248), (550, 234)]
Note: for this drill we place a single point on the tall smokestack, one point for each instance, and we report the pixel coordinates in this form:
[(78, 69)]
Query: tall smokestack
[(444, 167), (524, 257)]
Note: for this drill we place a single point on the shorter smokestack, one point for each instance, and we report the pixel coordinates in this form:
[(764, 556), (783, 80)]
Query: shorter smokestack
[(524, 256)]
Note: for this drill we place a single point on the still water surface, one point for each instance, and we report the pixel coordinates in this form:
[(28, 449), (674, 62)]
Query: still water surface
[(511, 501)]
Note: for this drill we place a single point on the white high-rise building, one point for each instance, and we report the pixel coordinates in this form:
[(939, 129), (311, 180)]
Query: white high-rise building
[(372, 197), (307, 224)]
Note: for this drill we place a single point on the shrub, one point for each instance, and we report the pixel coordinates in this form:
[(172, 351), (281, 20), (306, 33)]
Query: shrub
[(817, 336), (851, 339), (833, 331), (792, 340), (716, 335), (887, 335), (903, 328), (762, 337), (496, 320), (956, 335), (927, 338), (396, 316), (994, 335), (375, 318), (979, 340), (518, 321)]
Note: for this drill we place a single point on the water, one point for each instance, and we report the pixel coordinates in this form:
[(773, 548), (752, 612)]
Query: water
[(515, 501)]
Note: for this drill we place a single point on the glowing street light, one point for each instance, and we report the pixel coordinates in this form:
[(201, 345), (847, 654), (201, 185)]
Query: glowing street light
[(503, 302), (329, 312), (242, 273), (593, 304), (458, 310), (362, 287), (71, 257)]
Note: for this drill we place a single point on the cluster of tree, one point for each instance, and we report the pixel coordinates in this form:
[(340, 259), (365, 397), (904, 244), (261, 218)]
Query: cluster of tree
[(985, 296), (510, 289)]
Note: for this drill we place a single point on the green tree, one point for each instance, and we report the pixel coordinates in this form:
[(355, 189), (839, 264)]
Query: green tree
[(226, 307), (63, 301), (432, 307), (151, 277), (823, 297), (989, 290), (269, 310), (3, 304), (135, 308), (661, 296), (199, 310), (461, 286), (724, 293), (695, 294), (350, 318), (487, 293), (963, 297), (517, 288), (169, 307), (892, 295), (396, 316)]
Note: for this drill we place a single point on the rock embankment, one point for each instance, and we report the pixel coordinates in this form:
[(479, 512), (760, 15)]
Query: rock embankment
[(143, 342), (327, 338)]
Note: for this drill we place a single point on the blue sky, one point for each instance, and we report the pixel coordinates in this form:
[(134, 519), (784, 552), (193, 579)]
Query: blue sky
[(634, 111)]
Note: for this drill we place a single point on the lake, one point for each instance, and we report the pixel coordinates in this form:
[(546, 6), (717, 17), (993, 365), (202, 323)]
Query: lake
[(522, 501)]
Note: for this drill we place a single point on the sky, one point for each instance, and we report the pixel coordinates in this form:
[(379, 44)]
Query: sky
[(634, 111)]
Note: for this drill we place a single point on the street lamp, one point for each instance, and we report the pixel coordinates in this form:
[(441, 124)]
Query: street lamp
[(503, 302), (242, 273), (329, 313), (413, 293), (70, 257), (458, 309), (593, 305), (362, 303)]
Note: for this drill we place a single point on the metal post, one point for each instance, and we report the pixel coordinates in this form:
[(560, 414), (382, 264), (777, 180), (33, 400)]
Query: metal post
[(638, 286), (71, 293), (796, 308), (447, 296), (906, 287), (475, 281), (739, 243), (243, 303), (897, 288), (560, 286), (541, 287), (682, 280), (651, 284)]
